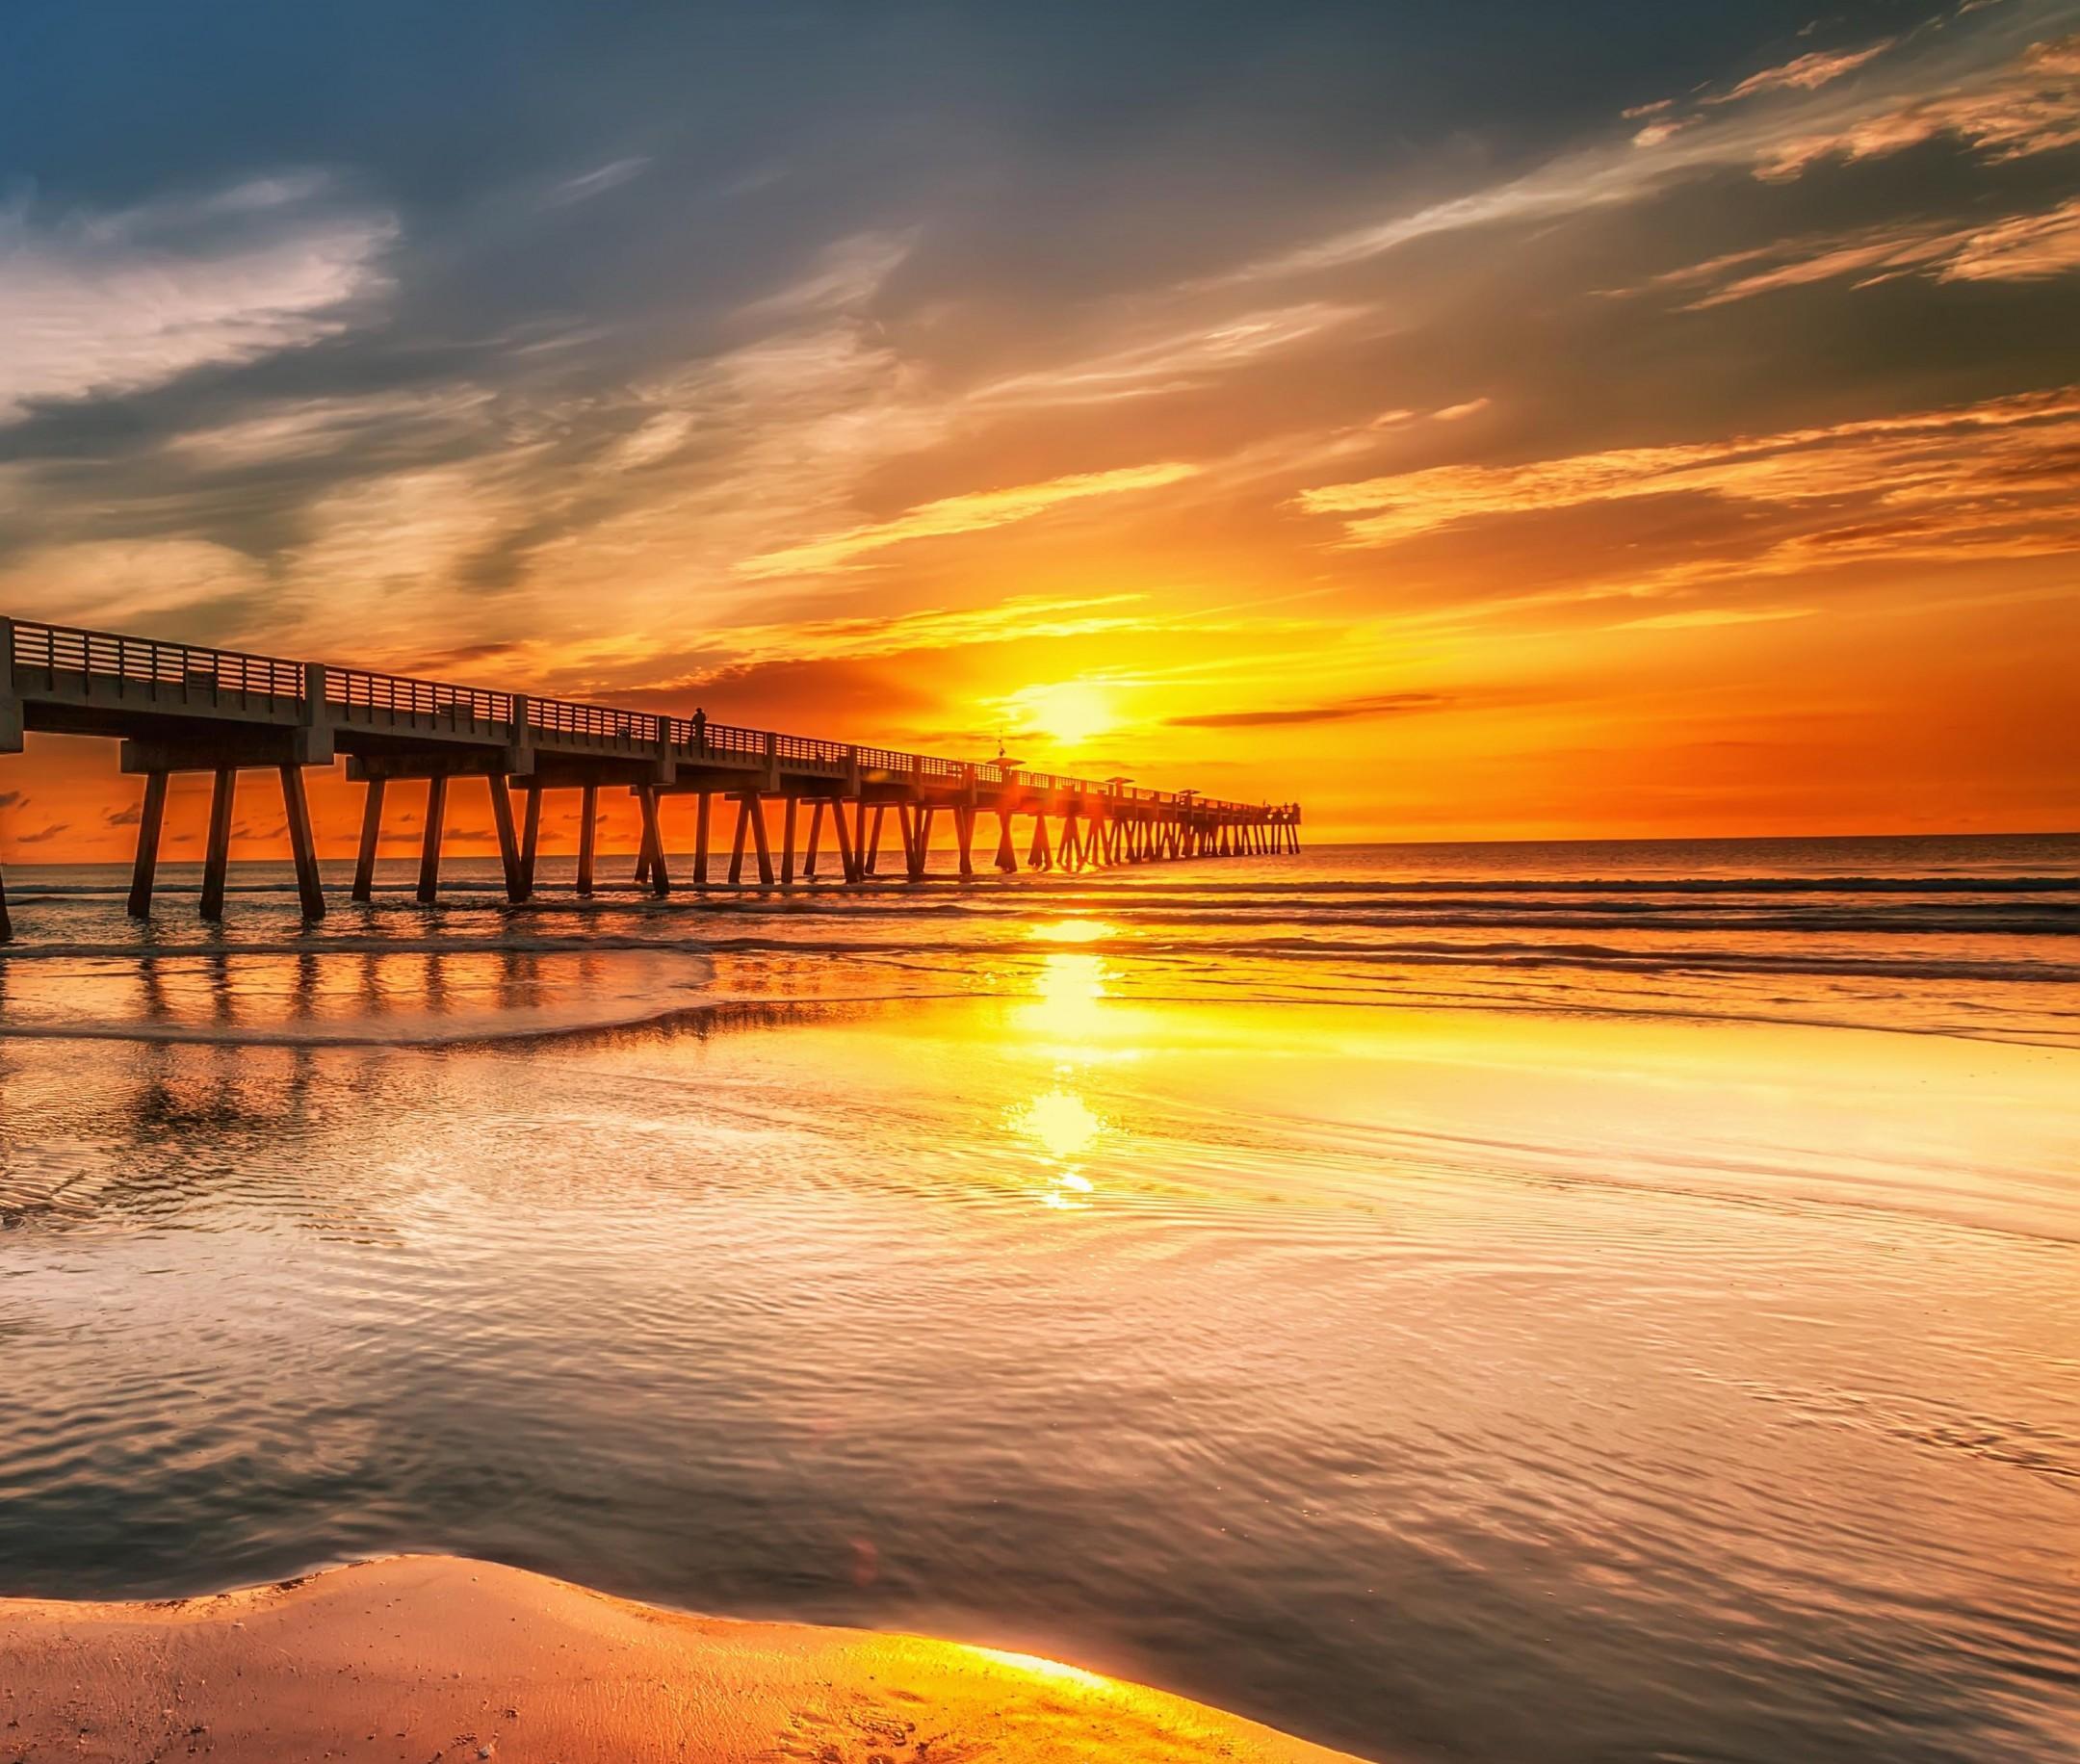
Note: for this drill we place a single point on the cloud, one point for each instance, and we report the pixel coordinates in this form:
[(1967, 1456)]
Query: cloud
[(104, 305), (1704, 618), (1021, 616), (1382, 703), (281, 429), (127, 581), (12, 799), (977, 511), (1806, 72), (1176, 359), (1791, 116), (1996, 477), (2030, 106), (2023, 248), (43, 833), (126, 817), (848, 272), (597, 182)]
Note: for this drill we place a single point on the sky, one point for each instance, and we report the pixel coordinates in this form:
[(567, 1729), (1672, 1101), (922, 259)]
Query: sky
[(1500, 421)]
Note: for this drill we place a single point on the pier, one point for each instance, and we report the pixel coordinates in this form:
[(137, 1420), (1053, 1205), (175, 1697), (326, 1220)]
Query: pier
[(800, 801)]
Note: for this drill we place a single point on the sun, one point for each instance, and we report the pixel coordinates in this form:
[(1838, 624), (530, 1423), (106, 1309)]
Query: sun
[(1069, 712)]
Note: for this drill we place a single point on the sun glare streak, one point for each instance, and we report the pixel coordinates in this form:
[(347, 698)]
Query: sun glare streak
[(1044, 1668)]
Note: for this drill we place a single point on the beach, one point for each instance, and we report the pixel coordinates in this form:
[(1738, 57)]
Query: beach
[(427, 1658)]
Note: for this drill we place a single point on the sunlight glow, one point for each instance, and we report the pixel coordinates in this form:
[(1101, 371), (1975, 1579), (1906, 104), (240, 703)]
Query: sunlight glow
[(1073, 931), (1062, 1124), (1068, 712)]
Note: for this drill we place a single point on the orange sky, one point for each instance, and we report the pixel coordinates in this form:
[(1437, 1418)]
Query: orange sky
[(1698, 457)]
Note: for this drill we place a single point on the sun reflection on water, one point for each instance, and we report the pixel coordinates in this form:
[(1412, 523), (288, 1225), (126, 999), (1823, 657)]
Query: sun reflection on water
[(1063, 1020), (1064, 1009), (1073, 931)]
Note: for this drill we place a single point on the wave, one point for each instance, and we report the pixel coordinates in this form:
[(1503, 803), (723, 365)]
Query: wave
[(1635, 961), (1512, 953)]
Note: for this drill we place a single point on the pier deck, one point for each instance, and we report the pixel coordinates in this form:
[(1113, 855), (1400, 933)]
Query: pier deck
[(181, 707)]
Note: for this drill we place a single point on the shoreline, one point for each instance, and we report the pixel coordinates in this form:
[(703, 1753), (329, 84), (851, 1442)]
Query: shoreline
[(436, 1658)]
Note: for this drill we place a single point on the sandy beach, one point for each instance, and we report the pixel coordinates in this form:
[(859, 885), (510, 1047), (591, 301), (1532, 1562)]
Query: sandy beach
[(434, 1658)]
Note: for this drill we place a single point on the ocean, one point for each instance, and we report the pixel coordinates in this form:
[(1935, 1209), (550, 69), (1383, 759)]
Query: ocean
[(1574, 1301)]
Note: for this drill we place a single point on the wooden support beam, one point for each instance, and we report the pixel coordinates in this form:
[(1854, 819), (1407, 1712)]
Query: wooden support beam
[(303, 848), (151, 816), (700, 839), (364, 875), (758, 834), (873, 838), (587, 835), (437, 808), (815, 829), (1071, 844), (737, 844), (787, 844), (847, 860), (859, 841), (654, 837), (908, 821), (1006, 852), (921, 845), (7, 923), (1042, 854), (530, 840), (216, 854), (964, 820), (508, 842)]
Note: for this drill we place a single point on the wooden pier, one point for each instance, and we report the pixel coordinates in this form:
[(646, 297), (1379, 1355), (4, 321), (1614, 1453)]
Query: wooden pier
[(177, 707)]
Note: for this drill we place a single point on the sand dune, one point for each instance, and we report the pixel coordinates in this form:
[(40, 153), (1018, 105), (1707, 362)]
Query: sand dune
[(431, 1658)]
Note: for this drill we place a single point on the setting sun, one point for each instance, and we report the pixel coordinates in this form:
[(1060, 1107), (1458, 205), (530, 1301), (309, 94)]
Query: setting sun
[(1068, 712)]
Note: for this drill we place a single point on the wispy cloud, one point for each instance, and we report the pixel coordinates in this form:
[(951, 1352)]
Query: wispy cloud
[(1707, 618), (1788, 118), (1180, 357), (2031, 105), (128, 581), (1021, 616), (1343, 710), (106, 304), (1996, 477), (1805, 72), (598, 181), (977, 511), (2022, 248), (305, 428)]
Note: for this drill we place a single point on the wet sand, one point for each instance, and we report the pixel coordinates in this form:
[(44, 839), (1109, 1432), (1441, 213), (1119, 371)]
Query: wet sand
[(434, 1658)]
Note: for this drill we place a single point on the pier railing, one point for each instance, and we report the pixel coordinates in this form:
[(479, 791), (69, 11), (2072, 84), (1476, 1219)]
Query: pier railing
[(153, 664)]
